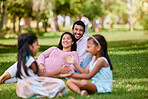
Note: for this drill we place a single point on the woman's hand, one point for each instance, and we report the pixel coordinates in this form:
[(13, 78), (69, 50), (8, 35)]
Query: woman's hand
[(65, 71), (42, 67)]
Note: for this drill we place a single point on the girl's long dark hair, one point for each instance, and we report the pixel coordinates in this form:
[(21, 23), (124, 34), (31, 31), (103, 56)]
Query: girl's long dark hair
[(24, 51), (103, 44), (74, 45)]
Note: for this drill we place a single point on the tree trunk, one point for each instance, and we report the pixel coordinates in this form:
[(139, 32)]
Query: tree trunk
[(45, 25), (93, 24), (13, 24), (2, 20), (102, 22), (52, 19), (56, 21), (19, 25), (130, 17), (38, 20), (103, 17), (64, 21), (27, 23)]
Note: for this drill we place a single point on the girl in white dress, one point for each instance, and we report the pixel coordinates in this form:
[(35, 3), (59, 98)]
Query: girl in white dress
[(29, 83)]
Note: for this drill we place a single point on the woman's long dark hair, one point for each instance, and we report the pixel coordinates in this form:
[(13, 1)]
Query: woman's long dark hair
[(103, 44), (24, 51), (73, 47)]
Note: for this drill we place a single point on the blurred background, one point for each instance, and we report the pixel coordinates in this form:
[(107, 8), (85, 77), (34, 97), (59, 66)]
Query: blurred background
[(42, 16)]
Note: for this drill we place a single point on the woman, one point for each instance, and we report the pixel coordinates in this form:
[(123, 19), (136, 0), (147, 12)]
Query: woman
[(51, 60)]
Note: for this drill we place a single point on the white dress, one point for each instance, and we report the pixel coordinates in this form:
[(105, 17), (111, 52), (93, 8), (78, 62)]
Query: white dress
[(34, 86)]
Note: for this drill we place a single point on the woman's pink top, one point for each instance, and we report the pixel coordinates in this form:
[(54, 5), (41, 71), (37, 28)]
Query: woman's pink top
[(52, 58)]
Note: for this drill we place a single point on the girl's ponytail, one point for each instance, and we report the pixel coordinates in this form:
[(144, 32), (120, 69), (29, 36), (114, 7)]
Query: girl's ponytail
[(24, 51)]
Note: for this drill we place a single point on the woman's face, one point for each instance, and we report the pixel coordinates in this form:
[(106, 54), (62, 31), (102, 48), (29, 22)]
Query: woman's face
[(67, 41)]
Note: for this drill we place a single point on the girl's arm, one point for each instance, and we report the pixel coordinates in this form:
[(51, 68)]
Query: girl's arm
[(76, 56), (101, 63), (80, 69), (71, 60)]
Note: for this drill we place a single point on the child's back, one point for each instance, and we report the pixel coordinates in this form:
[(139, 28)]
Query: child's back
[(102, 79), (41, 86), (29, 84)]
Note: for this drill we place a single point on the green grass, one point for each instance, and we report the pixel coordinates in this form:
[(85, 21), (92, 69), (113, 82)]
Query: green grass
[(128, 52)]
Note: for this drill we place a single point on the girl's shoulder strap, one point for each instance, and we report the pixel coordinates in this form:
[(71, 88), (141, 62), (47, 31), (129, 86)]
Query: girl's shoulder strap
[(93, 58)]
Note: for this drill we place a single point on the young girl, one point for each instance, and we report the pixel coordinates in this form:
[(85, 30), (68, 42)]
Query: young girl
[(99, 69), (29, 84)]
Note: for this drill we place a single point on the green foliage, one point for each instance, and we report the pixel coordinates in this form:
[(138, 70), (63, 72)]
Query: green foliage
[(119, 8), (145, 23), (116, 7), (20, 9), (63, 7), (92, 8)]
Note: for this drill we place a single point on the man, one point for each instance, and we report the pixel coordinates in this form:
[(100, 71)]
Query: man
[(78, 31)]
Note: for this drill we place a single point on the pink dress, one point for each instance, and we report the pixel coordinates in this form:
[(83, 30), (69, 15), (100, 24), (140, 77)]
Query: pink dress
[(52, 58)]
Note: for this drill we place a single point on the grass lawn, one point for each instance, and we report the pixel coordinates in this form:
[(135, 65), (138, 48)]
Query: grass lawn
[(128, 52)]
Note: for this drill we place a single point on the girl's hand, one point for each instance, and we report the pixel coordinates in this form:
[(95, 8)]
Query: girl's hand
[(70, 59), (65, 71), (66, 75), (42, 68)]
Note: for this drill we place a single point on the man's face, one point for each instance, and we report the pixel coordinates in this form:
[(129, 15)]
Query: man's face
[(78, 31)]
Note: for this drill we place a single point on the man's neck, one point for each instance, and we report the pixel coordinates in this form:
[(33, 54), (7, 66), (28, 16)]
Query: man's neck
[(79, 38)]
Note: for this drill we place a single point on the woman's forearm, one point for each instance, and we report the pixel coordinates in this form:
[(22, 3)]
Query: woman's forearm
[(54, 74)]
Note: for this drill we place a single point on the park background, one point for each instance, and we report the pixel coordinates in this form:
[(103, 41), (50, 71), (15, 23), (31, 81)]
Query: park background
[(124, 23)]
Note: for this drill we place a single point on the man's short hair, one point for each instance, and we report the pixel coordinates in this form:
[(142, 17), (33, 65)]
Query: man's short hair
[(79, 23)]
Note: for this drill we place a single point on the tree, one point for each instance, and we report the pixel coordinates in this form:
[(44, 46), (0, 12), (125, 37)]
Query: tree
[(62, 7), (92, 9), (130, 14), (18, 10), (114, 8), (2, 17), (144, 15), (45, 17), (40, 6)]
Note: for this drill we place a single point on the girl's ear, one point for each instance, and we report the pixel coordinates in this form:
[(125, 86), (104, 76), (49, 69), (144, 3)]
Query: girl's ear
[(99, 47), (73, 42), (30, 46)]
